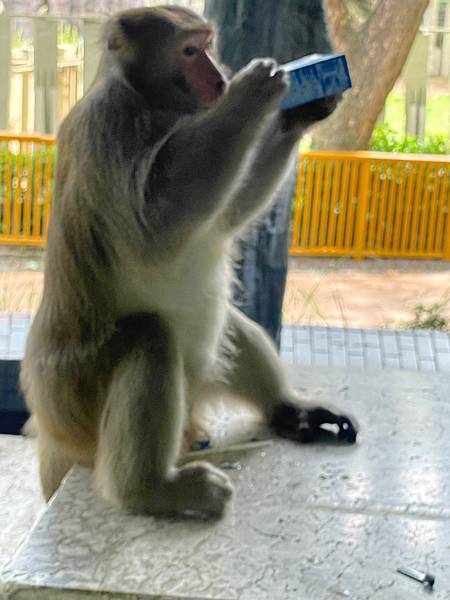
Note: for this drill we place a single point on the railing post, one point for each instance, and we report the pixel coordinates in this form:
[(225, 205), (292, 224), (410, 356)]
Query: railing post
[(296, 213), (5, 69), (361, 210), (446, 255)]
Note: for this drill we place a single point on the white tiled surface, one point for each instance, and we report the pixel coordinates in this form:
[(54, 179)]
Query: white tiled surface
[(307, 523), (365, 348), (13, 335), (304, 345), (20, 496)]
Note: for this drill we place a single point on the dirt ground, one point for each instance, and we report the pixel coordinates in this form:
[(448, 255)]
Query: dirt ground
[(320, 291), (367, 293)]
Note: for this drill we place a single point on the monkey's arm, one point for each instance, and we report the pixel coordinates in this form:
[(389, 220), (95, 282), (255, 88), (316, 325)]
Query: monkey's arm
[(196, 169), (271, 159), (257, 184)]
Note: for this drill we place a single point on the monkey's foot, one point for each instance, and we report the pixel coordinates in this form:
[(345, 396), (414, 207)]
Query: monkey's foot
[(306, 425), (202, 489)]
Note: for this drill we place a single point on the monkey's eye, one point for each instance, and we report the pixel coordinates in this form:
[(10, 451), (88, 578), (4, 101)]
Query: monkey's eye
[(190, 51)]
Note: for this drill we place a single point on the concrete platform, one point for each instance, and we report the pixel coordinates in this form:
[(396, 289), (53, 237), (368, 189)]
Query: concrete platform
[(20, 495), (311, 522)]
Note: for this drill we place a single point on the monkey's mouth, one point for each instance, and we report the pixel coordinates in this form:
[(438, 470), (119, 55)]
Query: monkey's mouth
[(209, 94), (205, 94)]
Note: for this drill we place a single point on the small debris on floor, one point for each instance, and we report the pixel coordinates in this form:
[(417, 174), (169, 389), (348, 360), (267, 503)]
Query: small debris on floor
[(426, 578)]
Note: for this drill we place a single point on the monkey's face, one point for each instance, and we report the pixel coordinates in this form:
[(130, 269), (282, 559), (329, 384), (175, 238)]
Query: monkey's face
[(164, 53), (199, 75)]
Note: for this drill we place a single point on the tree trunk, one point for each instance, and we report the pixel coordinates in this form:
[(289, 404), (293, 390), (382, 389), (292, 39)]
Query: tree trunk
[(285, 30), (376, 53)]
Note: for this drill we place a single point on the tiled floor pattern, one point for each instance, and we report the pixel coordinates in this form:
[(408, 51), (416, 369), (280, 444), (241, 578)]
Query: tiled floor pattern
[(418, 350), (421, 350)]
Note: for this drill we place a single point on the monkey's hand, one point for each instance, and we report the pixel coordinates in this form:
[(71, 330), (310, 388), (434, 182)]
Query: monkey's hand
[(305, 425), (302, 117), (258, 88)]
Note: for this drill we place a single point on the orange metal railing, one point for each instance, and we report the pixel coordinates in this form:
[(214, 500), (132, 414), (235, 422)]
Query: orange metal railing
[(372, 204), (347, 203), (26, 187)]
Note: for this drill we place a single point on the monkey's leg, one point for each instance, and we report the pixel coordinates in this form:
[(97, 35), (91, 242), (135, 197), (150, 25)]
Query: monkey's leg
[(53, 464), (260, 376), (141, 429)]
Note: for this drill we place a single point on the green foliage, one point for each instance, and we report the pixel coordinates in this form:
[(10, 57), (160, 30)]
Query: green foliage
[(20, 41), (69, 35), (391, 136), (430, 317), (385, 139), (25, 180), (437, 114)]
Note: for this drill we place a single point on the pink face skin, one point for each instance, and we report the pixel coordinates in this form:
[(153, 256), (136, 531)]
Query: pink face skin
[(199, 70)]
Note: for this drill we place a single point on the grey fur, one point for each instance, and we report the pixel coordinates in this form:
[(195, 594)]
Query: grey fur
[(135, 322)]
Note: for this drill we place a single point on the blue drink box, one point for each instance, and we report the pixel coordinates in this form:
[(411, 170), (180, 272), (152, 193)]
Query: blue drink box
[(314, 77)]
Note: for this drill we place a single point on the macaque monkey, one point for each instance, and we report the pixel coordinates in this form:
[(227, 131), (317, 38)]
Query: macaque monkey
[(160, 165)]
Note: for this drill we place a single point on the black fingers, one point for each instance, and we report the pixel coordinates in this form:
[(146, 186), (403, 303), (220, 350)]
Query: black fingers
[(305, 425), (307, 114)]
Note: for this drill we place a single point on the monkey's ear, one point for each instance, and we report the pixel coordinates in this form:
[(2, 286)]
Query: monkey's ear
[(114, 42), (123, 30), (113, 36)]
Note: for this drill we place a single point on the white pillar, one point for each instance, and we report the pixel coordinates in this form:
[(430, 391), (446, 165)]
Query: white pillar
[(92, 49), (416, 85), (5, 69), (445, 66), (434, 52), (45, 39)]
